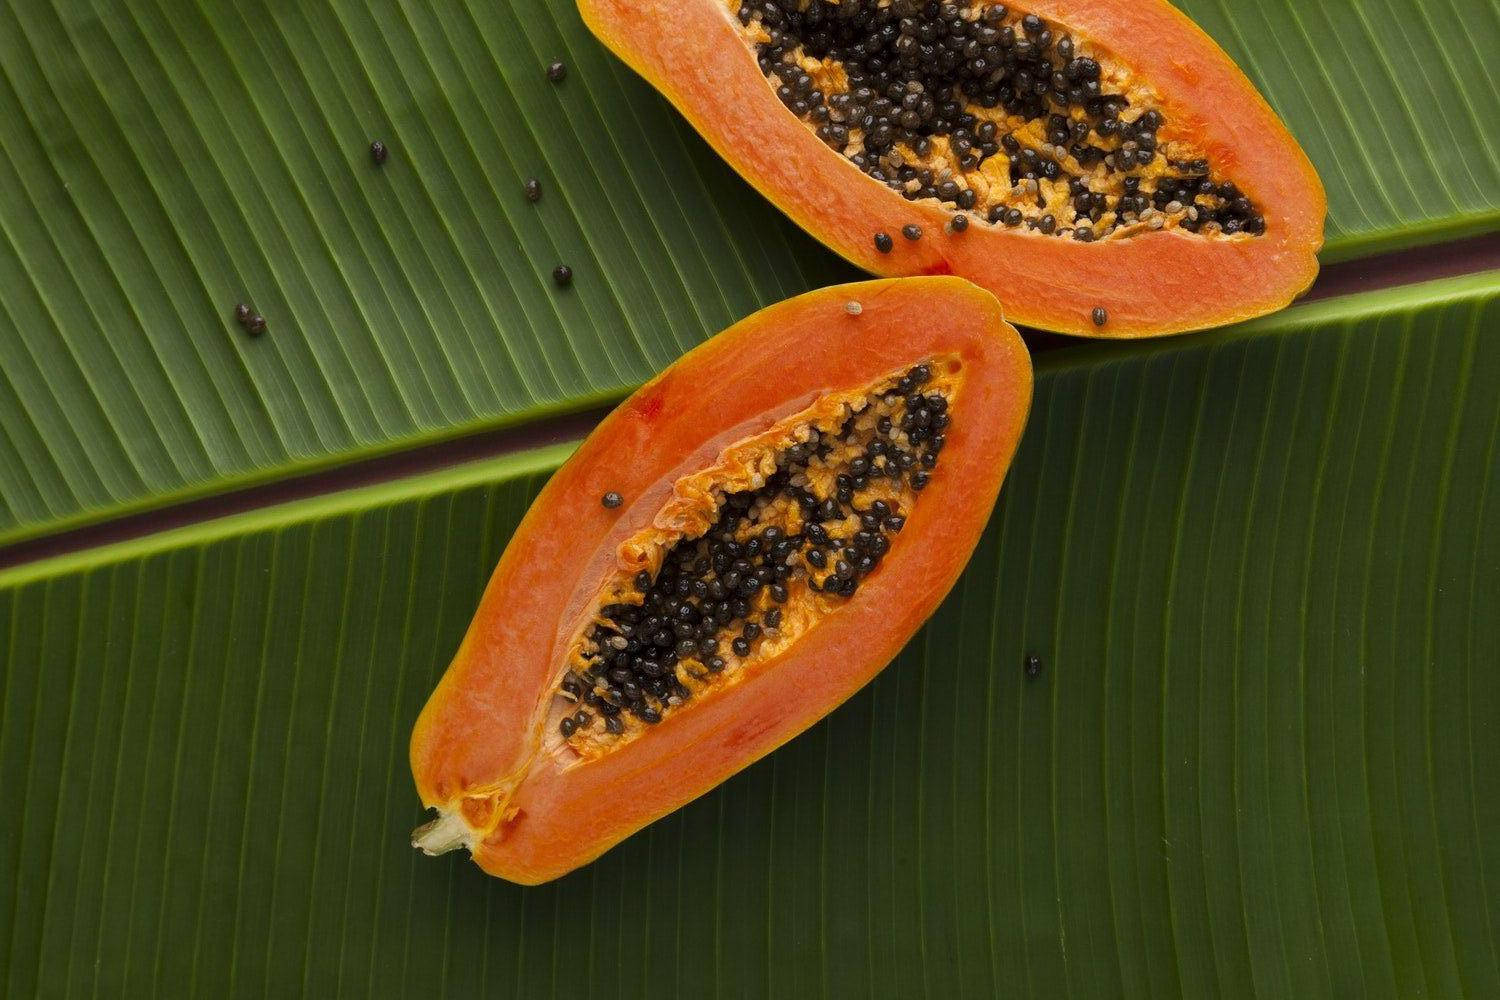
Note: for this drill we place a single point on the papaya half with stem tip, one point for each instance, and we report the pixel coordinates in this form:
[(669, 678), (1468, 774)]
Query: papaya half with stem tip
[(1100, 165), (734, 551)]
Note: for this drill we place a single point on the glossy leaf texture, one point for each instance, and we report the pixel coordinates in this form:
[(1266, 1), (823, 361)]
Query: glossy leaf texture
[(1393, 100), (162, 161), (1259, 571)]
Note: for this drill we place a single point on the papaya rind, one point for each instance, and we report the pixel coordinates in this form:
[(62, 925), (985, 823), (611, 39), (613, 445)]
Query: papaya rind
[(1150, 284), (474, 749)]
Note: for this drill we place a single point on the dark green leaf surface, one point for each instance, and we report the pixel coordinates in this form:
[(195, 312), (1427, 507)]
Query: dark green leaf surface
[(162, 160), (1260, 570)]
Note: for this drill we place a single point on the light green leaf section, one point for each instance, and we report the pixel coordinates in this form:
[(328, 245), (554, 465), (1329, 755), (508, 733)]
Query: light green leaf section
[(162, 160), (1260, 570), (1395, 101)]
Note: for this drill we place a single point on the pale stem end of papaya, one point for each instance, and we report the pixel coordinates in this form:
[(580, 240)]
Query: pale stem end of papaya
[(447, 833)]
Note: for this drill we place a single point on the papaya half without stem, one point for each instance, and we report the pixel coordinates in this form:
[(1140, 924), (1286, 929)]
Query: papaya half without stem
[(733, 552), (1100, 165)]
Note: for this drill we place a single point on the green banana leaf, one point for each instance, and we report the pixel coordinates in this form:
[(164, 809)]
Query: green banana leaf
[(1260, 569), (162, 160), (1394, 101)]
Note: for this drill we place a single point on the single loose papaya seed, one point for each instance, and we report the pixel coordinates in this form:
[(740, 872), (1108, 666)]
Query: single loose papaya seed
[(733, 552), (1101, 165)]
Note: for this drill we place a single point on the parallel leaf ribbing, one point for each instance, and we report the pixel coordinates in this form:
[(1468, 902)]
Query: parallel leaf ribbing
[(162, 161), (1258, 569)]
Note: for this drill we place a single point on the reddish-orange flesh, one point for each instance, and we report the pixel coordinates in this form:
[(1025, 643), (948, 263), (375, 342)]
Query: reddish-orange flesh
[(1149, 284), (474, 747)]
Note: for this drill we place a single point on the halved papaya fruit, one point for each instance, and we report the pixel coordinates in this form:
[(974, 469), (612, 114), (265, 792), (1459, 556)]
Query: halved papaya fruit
[(1100, 165), (735, 550)]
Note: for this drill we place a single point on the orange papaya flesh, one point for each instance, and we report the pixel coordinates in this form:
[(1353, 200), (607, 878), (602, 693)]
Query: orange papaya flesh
[(799, 493), (1100, 165)]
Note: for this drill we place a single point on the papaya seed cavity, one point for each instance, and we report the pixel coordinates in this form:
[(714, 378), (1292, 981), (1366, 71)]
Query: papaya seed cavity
[(752, 552), (991, 110)]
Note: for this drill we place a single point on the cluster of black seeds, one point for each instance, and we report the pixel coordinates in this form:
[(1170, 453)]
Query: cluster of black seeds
[(917, 70), (718, 594)]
